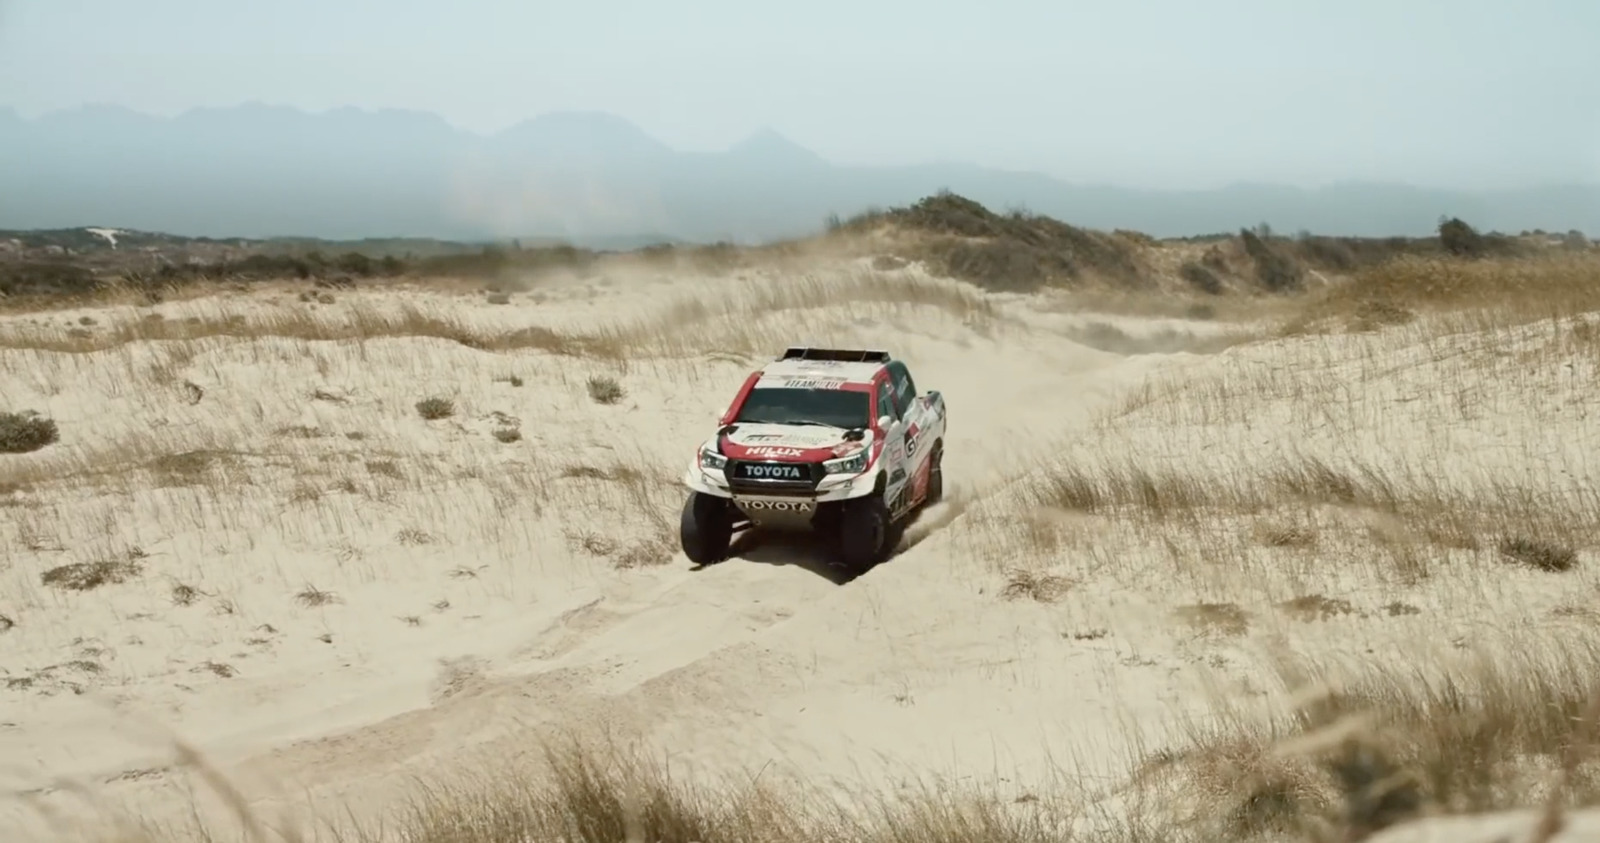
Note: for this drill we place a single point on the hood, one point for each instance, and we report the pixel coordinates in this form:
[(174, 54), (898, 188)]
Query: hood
[(790, 443)]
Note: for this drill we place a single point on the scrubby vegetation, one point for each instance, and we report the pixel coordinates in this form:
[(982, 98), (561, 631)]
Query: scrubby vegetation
[(1016, 251), (1023, 252), (26, 431)]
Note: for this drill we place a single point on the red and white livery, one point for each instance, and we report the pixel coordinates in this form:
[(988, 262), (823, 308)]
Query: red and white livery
[(836, 441)]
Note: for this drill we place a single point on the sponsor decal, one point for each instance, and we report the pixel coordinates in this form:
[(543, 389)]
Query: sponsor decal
[(778, 506), (845, 449), (774, 451), (778, 471), (791, 439), (813, 383), (911, 441)]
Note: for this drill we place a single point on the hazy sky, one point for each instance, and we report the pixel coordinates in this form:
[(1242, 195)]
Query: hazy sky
[(1138, 92)]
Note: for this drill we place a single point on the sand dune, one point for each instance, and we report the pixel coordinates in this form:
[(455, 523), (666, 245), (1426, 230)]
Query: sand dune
[(328, 594)]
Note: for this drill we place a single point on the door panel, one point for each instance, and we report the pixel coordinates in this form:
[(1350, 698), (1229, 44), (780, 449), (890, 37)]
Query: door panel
[(895, 463)]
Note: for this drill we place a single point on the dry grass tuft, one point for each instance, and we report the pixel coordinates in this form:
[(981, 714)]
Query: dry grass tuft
[(312, 597), (604, 389), (218, 669), (1316, 607), (1286, 535), (1397, 609), (658, 549), (1034, 585), (413, 537), (87, 576), (385, 468), (1221, 618), (188, 468), (184, 595), (433, 409), (585, 472), (1539, 555)]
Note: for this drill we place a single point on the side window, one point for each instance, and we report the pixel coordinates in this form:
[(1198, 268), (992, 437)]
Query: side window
[(905, 390), (886, 402)]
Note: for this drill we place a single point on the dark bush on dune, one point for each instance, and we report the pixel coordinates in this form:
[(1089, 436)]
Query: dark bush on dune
[(23, 432), (46, 278), (1016, 252), (1274, 270)]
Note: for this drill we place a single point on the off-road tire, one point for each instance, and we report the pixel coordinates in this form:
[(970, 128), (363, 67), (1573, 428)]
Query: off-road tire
[(935, 476), (706, 528), (864, 533)]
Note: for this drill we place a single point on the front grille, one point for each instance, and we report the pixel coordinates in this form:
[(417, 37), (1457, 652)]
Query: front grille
[(762, 477)]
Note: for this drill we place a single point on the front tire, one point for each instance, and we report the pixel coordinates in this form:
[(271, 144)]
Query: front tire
[(706, 528), (864, 531)]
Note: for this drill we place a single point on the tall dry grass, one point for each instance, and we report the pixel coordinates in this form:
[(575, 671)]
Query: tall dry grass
[(1508, 725), (1364, 749), (1492, 512), (1497, 291), (754, 316), (600, 793), (350, 323)]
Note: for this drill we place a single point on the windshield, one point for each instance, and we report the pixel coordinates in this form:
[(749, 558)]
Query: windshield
[(790, 405)]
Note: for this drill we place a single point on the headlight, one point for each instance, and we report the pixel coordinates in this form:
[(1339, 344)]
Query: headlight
[(853, 464), (712, 460)]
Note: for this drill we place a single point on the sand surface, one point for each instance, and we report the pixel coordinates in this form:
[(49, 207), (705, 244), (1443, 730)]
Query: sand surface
[(330, 594)]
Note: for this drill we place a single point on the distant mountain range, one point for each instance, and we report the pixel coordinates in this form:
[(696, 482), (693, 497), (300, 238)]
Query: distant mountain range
[(595, 179)]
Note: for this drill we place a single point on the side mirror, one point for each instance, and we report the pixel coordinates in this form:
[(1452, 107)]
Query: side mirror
[(884, 421)]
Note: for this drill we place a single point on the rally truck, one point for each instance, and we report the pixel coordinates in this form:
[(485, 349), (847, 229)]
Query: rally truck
[(829, 440)]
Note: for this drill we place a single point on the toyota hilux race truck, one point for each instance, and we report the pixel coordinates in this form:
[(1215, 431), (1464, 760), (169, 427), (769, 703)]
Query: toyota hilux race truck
[(835, 441)]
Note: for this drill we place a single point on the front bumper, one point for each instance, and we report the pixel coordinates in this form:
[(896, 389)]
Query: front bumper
[(830, 487)]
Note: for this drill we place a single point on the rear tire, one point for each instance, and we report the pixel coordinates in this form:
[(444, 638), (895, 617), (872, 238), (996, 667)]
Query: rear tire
[(864, 533), (706, 528), (935, 476)]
